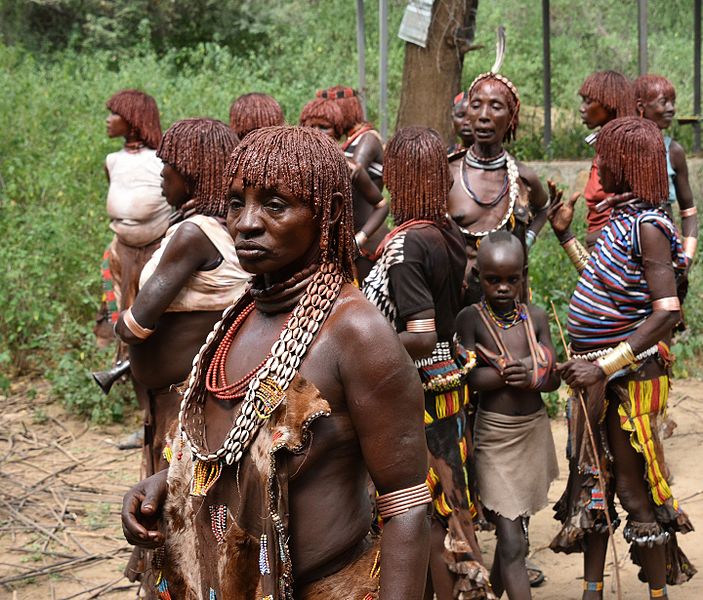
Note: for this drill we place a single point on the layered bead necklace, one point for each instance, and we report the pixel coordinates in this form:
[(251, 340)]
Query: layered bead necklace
[(267, 384), (510, 185), (509, 319)]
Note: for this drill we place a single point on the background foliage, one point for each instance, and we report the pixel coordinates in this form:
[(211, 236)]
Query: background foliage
[(61, 59)]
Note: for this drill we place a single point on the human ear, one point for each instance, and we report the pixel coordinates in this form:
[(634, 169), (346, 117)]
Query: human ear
[(337, 208), (640, 107)]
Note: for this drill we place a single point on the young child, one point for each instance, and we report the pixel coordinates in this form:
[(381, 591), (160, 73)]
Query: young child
[(515, 460)]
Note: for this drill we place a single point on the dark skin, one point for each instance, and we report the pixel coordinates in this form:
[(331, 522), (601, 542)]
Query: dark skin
[(370, 207), (490, 119), (375, 396), (462, 123), (660, 107), (501, 275), (166, 356), (578, 374), (593, 115)]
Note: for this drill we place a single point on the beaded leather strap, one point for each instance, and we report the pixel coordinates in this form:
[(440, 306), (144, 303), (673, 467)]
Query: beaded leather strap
[(592, 586)]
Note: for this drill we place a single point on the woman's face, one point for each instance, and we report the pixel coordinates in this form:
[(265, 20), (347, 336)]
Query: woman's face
[(660, 109), (274, 232), (593, 113), (116, 126), (174, 186), (324, 126), (488, 112), (462, 124)]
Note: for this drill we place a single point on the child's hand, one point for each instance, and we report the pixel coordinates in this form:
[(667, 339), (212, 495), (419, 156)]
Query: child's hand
[(516, 374)]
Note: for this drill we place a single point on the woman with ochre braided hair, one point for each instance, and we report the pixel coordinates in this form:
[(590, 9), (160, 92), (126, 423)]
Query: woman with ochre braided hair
[(363, 149), (462, 126), (280, 426), (493, 191), (605, 95), (139, 214), (327, 116), (192, 277), (254, 111), (417, 284), (655, 98), (620, 321)]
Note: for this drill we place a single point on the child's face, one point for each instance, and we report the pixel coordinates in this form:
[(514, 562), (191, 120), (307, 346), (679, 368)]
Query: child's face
[(501, 274)]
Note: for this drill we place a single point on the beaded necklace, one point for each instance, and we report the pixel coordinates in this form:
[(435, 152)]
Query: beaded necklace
[(266, 388), (509, 319), (216, 378), (513, 192), (133, 147)]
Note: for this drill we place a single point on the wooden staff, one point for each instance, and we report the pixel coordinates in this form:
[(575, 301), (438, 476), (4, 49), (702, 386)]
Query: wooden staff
[(596, 461)]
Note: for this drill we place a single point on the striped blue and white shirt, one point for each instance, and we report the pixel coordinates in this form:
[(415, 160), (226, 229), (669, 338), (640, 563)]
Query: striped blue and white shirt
[(612, 298)]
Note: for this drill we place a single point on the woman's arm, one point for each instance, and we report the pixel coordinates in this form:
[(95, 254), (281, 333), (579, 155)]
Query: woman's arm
[(538, 201), (368, 150), (188, 250), (386, 405), (419, 344), (370, 193), (684, 195)]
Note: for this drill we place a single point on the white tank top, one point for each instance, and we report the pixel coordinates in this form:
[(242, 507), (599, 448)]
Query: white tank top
[(205, 290), (138, 211)]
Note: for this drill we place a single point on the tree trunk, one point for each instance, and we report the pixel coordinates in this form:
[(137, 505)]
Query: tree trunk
[(432, 75)]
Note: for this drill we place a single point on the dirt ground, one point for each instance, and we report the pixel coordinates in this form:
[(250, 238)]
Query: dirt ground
[(62, 480)]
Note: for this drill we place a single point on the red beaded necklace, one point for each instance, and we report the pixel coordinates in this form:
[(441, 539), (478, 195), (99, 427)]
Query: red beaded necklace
[(216, 378)]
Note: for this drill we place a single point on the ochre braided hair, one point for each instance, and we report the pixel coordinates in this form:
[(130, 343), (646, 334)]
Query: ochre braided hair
[(252, 111), (141, 112), (312, 167), (648, 87), (416, 172), (199, 149), (348, 100), (511, 96), (611, 89), (321, 111), (633, 150)]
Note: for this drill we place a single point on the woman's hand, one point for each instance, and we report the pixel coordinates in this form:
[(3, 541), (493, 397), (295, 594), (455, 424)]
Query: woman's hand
[(141, 509), (578, 373), (560, 213)]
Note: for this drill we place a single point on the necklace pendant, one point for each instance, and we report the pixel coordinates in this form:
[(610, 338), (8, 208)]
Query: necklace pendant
[(268, 398)]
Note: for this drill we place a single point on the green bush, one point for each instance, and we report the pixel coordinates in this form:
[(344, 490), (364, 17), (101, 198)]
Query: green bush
[(195, 59)]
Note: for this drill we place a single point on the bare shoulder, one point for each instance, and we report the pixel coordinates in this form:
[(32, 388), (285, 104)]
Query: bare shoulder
[(466, 321), (355, 319), (527, 174), (537, 314)]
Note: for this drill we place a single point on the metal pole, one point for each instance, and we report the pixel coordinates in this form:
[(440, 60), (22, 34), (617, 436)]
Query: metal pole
[(383, 71), (697, 74), (642, 36), (547, 75), (361, 50)]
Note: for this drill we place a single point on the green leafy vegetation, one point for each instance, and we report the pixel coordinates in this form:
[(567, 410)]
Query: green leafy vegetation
[(61, 60)]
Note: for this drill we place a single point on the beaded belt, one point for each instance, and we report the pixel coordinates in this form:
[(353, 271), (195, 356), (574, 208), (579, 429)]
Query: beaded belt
[(596, 354), (441, 352)]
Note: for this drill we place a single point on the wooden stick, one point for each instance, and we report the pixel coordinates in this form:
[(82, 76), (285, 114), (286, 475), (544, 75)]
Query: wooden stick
[(596, 461)]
